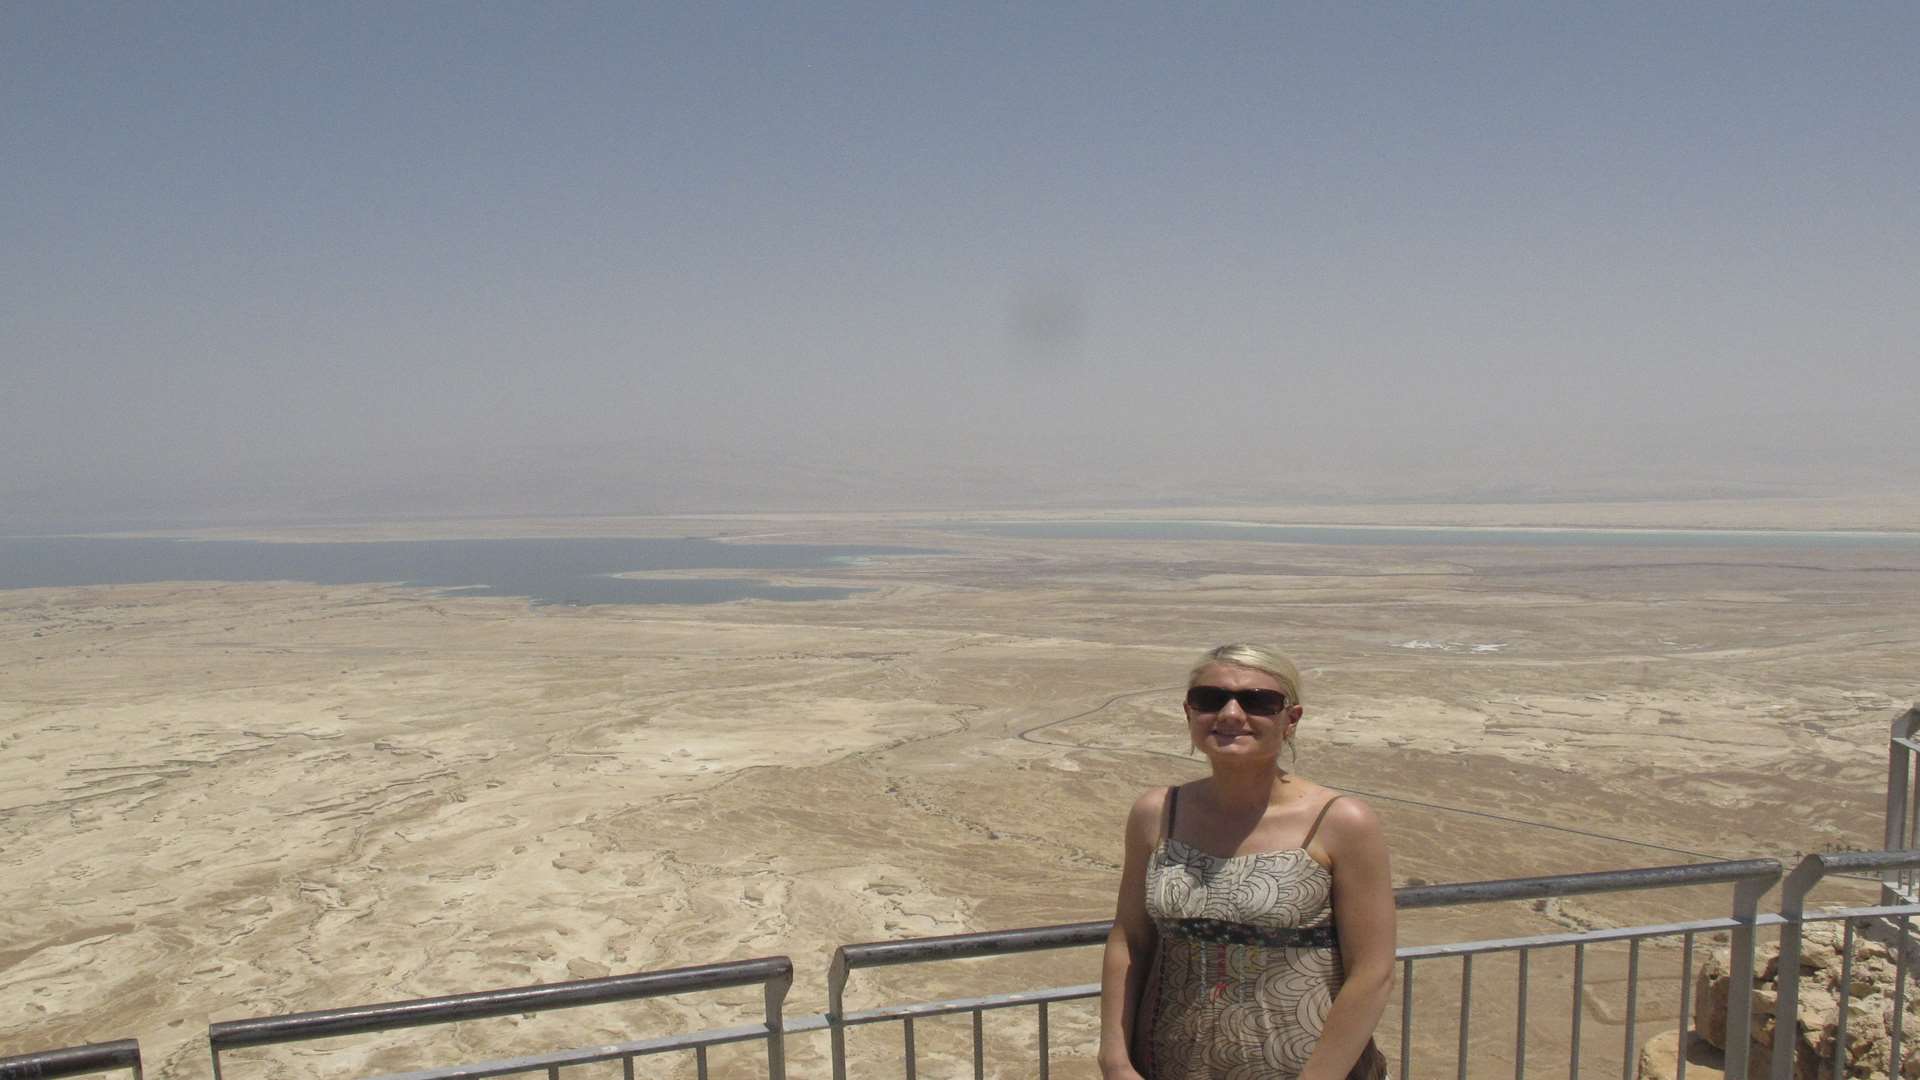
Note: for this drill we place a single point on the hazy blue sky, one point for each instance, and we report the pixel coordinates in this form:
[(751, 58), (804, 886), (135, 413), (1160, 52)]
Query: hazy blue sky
[(323, 259)]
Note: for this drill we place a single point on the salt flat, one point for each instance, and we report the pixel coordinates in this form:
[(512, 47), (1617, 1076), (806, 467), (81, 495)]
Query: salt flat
[(224, 800)]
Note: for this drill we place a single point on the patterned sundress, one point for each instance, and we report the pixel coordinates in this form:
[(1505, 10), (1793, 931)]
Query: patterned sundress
[(1247, 963)]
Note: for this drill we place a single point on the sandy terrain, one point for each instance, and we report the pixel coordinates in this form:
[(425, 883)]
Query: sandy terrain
[(220, 801)]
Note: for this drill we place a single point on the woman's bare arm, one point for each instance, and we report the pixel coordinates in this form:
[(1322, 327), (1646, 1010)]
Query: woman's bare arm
[(1130, 944), (1363, 911)]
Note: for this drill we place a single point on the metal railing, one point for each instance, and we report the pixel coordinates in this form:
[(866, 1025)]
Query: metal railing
[(1751, 878), (1903, 808), (848, 958), (773, 974), (73, 1061), (1793, 915)]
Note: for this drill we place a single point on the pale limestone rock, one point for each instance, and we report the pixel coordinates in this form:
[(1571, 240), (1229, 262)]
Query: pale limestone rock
[(1658, 1054), (1710, 1000), (1819, 1005), (1815, 956), (1817, 1026)]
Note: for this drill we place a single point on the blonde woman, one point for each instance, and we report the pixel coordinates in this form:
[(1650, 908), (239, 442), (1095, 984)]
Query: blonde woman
[(1254, 933)]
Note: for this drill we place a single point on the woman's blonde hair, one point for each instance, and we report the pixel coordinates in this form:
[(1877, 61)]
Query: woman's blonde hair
[(1256, 657)]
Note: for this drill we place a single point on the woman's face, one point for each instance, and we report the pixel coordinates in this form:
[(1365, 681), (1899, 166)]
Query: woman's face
[(1229, 718)]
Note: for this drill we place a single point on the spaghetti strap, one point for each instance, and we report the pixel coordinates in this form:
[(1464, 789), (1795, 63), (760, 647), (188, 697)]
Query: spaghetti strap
[(1173, 804), (1322, 816)]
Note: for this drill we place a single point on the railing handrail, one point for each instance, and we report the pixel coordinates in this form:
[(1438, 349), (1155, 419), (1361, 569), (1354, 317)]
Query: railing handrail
[(360, 1019), (965, 946), (1813, 868), (388, 1015), (73, 1061), (1413, 897), (1407, 898), (773, 973)]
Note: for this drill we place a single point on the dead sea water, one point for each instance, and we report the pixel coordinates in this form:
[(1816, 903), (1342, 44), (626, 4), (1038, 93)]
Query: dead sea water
[(545, 570), (1423, 536)]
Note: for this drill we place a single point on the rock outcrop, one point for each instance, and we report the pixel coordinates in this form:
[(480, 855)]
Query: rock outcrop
[(1659, 1057), (1867, 1047)]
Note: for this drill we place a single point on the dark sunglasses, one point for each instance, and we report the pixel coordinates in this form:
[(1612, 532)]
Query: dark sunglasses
[(1211, 699)]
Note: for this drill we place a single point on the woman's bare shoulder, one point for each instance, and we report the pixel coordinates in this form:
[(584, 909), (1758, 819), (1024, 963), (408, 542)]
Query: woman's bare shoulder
[(1151, 803), (1350, 827), (1349, 812), (1143, 820)]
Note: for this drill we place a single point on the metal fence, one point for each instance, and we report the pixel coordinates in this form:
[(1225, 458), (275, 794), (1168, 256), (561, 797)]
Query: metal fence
[(1442, 974), (1751, 879), (773, 974), (1794, 917), (848, 958)]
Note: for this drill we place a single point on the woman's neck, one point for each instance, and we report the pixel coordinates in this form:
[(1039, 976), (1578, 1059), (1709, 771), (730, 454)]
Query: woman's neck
[(1248, 790)]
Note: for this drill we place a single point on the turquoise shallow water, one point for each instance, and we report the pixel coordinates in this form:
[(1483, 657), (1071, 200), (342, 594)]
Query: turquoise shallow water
[(547, 571), (1415, 536)]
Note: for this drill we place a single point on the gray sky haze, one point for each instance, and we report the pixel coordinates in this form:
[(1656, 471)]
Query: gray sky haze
[(301, 262)]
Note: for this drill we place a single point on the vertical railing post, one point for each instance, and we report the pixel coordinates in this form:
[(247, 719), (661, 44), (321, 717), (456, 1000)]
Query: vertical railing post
[(1520, 1019), (1686, 1003), (1786, 1011), (979, 1047), (1899, 773), (1579, 995), (1846, 991), (1631, 1041), (1466, 1015), (777, 987), (1899, 989), (1746, 907), (1898, 833), (1046, 1049), (836, 1012), (1406, 1018)]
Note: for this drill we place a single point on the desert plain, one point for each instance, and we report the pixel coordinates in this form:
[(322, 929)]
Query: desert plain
[(222, 800)]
